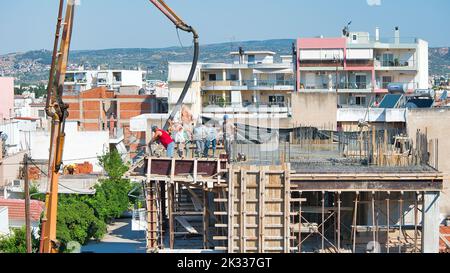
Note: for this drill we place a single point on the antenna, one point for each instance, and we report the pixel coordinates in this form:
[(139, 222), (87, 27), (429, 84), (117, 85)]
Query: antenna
[(346, 30)]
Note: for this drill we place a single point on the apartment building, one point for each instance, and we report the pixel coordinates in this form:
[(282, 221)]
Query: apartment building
[(123, 81), (7, 98), (360, 67), (100, 109), (254, 86)]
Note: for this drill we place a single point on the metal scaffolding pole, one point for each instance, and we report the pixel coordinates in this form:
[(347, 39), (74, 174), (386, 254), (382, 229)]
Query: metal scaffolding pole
[(387, 221), (355, 216)]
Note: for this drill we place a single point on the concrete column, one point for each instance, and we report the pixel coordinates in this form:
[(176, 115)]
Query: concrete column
[(240, 77), (224, 75), (431, 222), (119, 125)]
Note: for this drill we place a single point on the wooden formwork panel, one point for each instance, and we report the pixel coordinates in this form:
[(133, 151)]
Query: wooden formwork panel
[(259, 209)]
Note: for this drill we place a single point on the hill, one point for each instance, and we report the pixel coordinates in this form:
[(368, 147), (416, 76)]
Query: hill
[(32, 67)]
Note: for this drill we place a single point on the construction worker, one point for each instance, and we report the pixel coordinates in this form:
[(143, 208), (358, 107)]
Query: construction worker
[(211, 140), (229, 130), (200, 138), (165, 139)]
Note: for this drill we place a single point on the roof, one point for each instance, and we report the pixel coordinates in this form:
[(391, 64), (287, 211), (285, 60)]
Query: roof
[(445, 233), (255, 53), (16, 208)]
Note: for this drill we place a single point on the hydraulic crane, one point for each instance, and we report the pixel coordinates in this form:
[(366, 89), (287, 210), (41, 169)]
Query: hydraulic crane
[(57, 110)]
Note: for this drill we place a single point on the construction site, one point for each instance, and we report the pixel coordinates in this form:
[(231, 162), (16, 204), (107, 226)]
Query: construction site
[(320, 192), (310, 167)]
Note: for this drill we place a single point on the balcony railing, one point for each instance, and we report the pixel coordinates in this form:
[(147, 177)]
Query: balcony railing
[(407, 86), (212, 105), (396, 63), (268, 83), (341, 86), (250, 84)]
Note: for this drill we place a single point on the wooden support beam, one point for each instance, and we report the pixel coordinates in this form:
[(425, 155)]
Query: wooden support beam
[(230, 210), (355, 217), (261, 192), (374, 238), (339, 222), (400, 207), (323, 221), (388, 209), (287, 206), (243, 202), (205, 220)]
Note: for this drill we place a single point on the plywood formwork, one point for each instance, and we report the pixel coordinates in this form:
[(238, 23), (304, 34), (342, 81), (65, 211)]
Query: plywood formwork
[(259, 209), (272, 209)]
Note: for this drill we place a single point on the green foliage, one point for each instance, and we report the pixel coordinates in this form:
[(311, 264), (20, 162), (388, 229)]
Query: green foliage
[(34, 193), (81, 218), (113, 165), (16, 242), (111, 199), (77, 221), (40, 90)]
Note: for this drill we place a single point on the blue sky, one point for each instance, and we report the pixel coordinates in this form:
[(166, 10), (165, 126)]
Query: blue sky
[(30, 24)]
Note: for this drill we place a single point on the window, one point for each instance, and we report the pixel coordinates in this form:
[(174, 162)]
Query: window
[(251, 58), (280, 79), (388, 59), (232, 76), (386, 80), (117, 76), (212, 77), (41, 113), (355, 37), (70, 77), (361, 81), (219, 100), (361, 101), (276, 100)]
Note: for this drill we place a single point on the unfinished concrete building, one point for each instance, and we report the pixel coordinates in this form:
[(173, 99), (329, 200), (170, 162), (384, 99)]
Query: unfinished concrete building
[(323, 192)]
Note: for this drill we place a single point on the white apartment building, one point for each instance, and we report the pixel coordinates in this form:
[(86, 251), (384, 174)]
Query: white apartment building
[(360, 67), (254, 86), (118, 80)]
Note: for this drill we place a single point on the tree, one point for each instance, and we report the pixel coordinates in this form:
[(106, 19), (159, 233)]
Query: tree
[(77, 221), (113, 165), (16, 242)]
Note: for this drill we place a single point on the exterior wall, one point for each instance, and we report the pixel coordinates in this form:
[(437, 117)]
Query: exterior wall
[(317, 65), (94, 108), (192, 99), (315, 109), (88, 79), (435, 123), (423, 64), (79, 146), (4, 221), (18, 132), (10, 168), (7, 98)]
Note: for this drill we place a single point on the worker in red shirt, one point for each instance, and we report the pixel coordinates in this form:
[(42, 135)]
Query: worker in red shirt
[(165, 139)]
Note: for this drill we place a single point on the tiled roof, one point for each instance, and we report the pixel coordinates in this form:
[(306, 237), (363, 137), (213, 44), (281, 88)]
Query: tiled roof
[(16, 208), (445, 232)]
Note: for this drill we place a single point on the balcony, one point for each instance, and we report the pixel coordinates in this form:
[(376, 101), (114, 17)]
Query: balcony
[(396, 64), (259, 110), (408, 87), (279, 85), (222, 85), (357, 87)]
